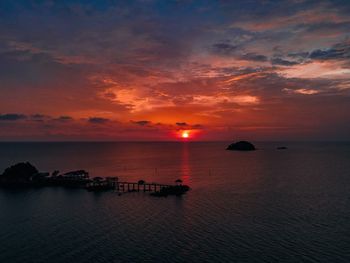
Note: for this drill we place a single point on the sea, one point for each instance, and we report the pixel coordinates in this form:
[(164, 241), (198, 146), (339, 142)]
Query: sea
[(267, 205)]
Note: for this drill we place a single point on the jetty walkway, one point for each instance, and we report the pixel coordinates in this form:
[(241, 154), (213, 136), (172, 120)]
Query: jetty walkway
[(139, 187)]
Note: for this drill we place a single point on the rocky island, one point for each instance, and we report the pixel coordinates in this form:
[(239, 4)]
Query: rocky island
[(241, 146)]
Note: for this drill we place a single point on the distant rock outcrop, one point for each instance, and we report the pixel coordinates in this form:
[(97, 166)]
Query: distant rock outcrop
[(241, 146)]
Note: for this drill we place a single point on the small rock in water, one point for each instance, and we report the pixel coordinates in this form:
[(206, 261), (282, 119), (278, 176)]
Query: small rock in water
[(282, 148)]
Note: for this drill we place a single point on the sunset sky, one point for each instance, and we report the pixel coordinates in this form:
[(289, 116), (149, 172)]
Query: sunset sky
[(149, 70)]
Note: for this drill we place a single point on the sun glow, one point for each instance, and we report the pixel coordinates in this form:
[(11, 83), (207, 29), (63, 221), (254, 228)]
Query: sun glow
[(185, 134)]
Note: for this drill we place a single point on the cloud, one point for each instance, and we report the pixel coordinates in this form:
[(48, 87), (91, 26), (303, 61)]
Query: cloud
[(12, 117), (67, 118), (299, 55), (185, 125), (227, 49), (223, 49), (283, 62), (42, 117), (38, 117), (302, 91), (254, 57), (182, 124), (142, 123), (98, 120), (338, 51)]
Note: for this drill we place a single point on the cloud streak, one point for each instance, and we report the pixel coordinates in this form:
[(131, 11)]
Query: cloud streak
[(12, 117)]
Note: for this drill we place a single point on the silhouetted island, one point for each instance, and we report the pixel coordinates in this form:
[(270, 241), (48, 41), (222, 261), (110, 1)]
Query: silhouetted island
[(27, 175), (20, 174), (241, 146)]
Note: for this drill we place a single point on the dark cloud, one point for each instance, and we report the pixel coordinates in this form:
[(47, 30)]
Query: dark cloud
[(12, 117), (38, 117), (66, 118), (227, 49), (338, 51), (98, 120), (283, 62), (299, 55), (142, 123), (182, 124), (223, 49), (189, 126), (254, 57), (34, 117)]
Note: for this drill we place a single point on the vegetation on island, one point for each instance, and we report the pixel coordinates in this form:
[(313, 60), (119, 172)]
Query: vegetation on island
[(20, 174), (27, 175)]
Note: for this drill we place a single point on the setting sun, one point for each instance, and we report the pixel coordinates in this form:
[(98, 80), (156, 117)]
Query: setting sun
[(185, 134)]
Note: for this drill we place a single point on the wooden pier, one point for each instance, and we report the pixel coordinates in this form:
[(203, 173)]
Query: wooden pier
[(159, 190), (137, 187)]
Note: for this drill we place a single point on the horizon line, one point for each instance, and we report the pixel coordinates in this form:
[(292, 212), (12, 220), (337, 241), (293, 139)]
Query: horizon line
[(160, 141)]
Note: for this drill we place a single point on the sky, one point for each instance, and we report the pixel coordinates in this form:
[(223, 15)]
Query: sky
[(154, 70)]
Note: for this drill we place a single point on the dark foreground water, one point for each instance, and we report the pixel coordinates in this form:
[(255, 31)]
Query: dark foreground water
[(262, 206)]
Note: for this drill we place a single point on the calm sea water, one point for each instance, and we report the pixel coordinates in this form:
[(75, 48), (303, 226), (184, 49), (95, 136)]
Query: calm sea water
[(262, 206)]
